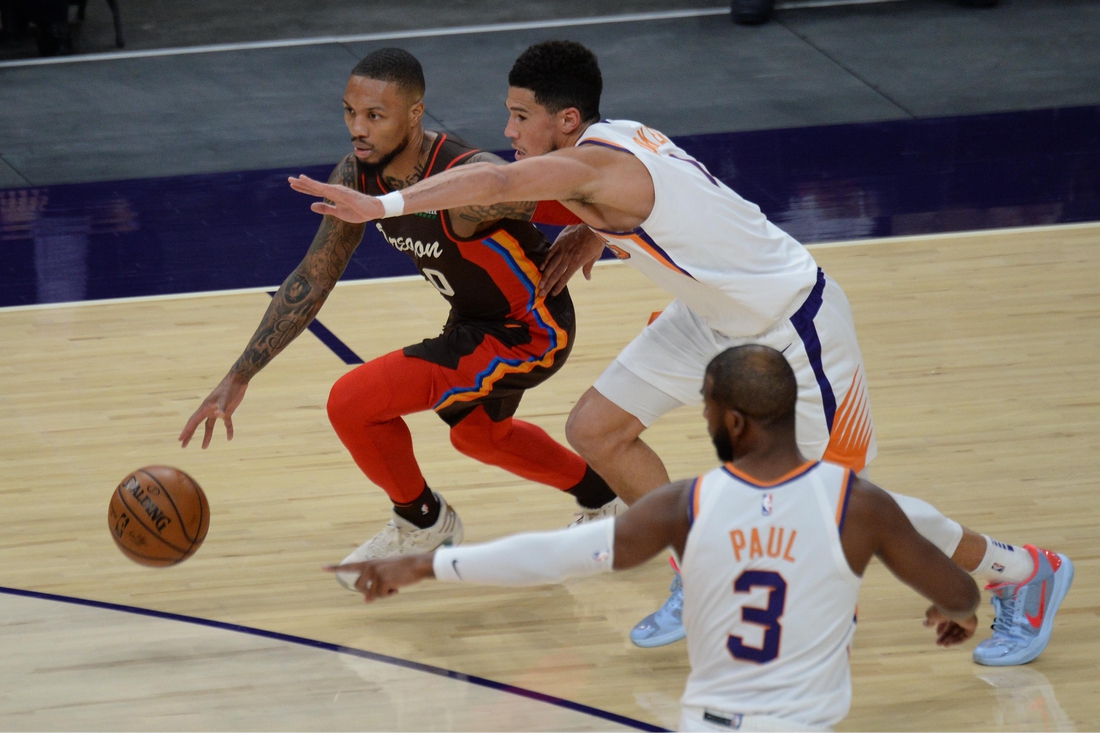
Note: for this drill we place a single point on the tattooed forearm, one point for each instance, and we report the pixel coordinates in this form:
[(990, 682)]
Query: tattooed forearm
[(297, 289), (286, 317), (296, 303)]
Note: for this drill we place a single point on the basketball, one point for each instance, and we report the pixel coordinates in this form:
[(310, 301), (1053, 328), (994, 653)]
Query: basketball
[(158, 516)]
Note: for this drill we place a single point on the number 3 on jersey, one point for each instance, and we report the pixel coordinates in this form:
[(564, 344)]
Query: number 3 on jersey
[(435, 277), (767, 617)]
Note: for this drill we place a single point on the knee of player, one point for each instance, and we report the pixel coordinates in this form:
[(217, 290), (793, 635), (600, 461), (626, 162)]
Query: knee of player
[(343, 401), (465, 440), (589, 436)]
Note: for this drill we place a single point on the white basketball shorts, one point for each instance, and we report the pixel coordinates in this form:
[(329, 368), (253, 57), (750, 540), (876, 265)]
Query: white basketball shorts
[(663, 368)]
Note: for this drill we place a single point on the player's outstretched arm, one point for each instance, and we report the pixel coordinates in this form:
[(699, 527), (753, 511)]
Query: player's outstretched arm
[(566, 175), (875, 524), (657, 521), (468, 220), (291, 310)]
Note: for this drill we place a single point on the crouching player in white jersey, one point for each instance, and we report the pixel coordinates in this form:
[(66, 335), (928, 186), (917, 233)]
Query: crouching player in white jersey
[(737, 278), (772, 548)]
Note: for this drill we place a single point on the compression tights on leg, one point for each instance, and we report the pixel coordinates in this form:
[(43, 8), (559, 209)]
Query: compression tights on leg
[(528, 451), (365, 408)]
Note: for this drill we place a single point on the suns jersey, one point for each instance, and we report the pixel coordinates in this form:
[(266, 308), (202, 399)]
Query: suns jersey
[(704, 243), (769, 597)]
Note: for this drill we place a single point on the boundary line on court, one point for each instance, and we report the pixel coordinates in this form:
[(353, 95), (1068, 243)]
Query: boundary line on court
[(967, 234), (364, 37), (409, 278), (419, 33), (341, 649)]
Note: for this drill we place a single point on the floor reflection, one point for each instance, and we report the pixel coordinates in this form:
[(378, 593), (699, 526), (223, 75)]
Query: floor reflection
[(1025, 700)]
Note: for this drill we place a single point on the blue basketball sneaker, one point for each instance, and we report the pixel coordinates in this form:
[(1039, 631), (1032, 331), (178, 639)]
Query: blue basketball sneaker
[(664, 626), (1024, 613)]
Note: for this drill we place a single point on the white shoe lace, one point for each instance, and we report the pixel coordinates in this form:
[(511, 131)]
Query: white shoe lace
[(386, 543)]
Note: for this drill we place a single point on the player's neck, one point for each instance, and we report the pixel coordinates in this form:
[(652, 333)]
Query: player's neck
[(572, 138), (411, 164), (768, 461)]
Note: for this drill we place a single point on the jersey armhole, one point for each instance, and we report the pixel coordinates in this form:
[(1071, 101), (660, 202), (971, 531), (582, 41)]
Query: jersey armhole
[(693, 501), (845, 496)]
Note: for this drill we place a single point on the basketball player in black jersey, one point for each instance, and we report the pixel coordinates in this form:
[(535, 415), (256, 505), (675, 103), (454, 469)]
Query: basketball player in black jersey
[(501, 337)]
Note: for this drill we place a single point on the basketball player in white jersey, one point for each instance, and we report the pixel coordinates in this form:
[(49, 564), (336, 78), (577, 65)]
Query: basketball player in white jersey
[(738, 279), (773, 548)]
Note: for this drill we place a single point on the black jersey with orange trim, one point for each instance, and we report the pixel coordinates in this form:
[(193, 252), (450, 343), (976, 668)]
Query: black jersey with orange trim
[(501, 338), (490, 276)]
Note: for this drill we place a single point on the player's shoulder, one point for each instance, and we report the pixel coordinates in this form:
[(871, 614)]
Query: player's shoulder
[(346, 171), (871, 507), (451, 151)]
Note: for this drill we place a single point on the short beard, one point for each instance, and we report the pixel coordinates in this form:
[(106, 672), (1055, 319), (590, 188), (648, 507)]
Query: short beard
[(389, 157), (723, 445)]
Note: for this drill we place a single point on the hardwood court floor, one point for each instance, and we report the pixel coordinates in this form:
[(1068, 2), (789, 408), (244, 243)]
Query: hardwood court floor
[(983, 356)]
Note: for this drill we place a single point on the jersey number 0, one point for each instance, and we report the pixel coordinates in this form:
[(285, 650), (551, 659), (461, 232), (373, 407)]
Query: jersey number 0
[(438, 281)]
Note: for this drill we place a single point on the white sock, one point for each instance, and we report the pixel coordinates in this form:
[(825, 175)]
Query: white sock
[(1004, 563)]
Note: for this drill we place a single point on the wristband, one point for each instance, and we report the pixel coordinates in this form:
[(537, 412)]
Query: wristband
[(393, 203)]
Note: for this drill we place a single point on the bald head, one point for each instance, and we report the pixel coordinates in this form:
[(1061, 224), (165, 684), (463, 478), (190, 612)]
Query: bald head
[(754, 380)]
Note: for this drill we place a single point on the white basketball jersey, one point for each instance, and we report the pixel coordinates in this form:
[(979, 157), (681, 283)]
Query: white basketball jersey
[(705, 244), (769, 597)]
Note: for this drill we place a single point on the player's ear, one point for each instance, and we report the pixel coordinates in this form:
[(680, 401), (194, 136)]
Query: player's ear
[(569, 119), (735, 424), (416, 112)]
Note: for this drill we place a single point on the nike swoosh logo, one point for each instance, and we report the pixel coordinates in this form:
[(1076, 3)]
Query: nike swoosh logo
[(454, 566), (1037, 621)]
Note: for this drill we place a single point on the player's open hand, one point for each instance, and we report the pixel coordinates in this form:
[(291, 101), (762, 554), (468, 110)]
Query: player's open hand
[(219, 405), (576, 248), (381, 578), (948, 632), (342, 202)]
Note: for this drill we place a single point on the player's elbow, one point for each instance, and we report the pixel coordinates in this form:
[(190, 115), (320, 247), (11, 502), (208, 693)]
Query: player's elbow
[(497, 182), (487, 183)]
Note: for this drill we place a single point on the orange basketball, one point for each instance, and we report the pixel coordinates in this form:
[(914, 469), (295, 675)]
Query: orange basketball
[(158, 516)]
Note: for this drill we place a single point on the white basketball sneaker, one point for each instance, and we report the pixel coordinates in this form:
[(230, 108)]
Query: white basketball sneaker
[(402, 537), (613, 508)]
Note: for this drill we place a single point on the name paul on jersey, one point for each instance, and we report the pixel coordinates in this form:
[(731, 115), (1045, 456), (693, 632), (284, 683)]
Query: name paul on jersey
[(406, 244), (780, 543)]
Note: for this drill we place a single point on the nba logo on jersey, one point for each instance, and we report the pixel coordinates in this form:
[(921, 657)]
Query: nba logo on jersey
[(766, 504)]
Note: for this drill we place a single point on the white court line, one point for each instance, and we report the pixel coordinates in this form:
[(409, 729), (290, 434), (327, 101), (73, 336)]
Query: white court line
[(955, 235), (421, 33), (203, 294), (408, 278), (386, 36)]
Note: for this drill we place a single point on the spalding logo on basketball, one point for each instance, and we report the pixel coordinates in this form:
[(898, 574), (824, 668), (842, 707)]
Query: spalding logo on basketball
[(158, 516)]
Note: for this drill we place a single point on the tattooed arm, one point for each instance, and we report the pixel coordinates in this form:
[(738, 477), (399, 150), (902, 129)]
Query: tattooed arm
[(469, 220), (291, 310)]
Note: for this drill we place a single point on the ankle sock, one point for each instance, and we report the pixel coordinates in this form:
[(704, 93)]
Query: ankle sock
[(1004, 563), (591, 492), (423, 512)]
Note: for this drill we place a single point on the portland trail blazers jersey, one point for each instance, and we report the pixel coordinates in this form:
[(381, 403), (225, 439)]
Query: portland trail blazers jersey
[(702, 242), (769, 597), (490, 276), (501, 338)]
